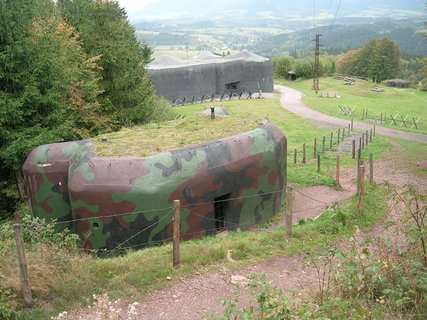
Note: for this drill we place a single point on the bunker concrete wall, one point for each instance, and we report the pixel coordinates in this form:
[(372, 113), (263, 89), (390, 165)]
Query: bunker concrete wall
[(110, 200), (208, 79)]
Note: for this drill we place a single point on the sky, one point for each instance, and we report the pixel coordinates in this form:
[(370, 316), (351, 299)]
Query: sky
[(166, 9)]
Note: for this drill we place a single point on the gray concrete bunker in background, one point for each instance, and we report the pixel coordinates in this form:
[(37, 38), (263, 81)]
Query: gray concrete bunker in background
[(207, 74)]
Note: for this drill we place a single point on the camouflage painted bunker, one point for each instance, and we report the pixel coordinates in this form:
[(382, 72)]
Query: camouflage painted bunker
[(208, 74), (229, 183)]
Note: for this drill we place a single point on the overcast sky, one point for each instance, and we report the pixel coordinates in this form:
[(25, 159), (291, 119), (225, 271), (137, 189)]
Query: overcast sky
[(164, 9)]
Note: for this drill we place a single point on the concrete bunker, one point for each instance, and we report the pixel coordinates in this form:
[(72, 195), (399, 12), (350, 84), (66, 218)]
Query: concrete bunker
[(207, 74), (230, 183)]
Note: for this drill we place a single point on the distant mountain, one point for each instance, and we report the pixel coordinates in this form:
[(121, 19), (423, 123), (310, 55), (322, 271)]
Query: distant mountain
[(274, 9), (343, 37)]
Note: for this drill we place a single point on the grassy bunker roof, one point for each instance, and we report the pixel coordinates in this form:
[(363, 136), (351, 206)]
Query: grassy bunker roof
[(150, 139)]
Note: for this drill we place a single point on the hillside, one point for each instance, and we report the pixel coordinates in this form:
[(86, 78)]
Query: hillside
[(407, 34)]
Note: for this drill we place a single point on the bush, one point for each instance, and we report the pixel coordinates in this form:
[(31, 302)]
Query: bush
[(162, 111), (398, 83)]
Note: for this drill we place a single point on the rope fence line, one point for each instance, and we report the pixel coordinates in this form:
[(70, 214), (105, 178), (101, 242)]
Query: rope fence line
[(166, 208), (145, 229)]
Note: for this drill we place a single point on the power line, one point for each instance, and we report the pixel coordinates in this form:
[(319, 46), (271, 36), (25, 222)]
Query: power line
[(335, 16)]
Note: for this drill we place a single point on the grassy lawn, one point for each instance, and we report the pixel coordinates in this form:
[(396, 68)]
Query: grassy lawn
[(64, 280), (392, 101), (298, 131)]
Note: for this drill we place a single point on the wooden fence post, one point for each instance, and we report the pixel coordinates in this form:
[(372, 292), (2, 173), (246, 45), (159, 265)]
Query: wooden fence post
[(337, 173), (323, 144), (360, 143), (343, 134), (374, 129), (363, 141), (353, 149), (352, 124), (176, 233), (358, 170), (314, 147), (348, 131), (370, 135), (25, 282), (295, 156), (288, 214), (304, 158), (371, 168), (361, 188), (381, 118), (330, 142), (366, 137), (318, 162), (338, 138)]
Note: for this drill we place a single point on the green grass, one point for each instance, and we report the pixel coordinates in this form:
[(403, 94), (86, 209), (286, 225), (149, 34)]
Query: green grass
[(141, 271), (297, 131), (160, 137), (409, 102)]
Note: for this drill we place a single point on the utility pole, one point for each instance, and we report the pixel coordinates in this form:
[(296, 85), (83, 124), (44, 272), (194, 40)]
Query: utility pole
[(316, 63)]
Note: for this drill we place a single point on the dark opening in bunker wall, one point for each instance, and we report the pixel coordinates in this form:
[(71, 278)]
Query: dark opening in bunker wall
[(232, 86), (222, 205)]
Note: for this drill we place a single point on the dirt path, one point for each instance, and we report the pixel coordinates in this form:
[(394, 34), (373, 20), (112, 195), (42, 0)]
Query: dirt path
[(198, 296), (291, 100)]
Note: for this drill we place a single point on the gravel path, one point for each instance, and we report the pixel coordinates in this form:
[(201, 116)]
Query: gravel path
[(199, 295), (291, 100)]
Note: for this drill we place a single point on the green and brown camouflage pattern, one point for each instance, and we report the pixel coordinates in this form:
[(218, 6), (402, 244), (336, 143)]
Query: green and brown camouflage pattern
[(127, 202)]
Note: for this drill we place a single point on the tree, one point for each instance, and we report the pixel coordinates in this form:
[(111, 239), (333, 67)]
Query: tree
[(282, 65), (48, 86), (128, 96), (383, 57), (377, 60)]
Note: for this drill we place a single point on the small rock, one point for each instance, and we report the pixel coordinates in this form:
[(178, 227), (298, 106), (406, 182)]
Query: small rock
[(168, 278), (222, 234), (239, 280)]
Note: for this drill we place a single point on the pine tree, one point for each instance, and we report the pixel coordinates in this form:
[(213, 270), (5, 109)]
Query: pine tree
[(127, 92), (48, 86)]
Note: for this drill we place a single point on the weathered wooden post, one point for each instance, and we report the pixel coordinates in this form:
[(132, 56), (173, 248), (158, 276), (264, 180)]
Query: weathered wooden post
[(363, 141), (337, 173), (304, 158), (348, 131), (176, 233), (381, 118), (374, 129), (318, 162), (371, 168), (351, 124), (366, 137), (370, 135), (288, 215), (361, 188), (295, 156), (353, 149), (212, 113), (323, 144), (314, 147), (338, 138), (23, 268), (330, 142), (343, 134), (360, 143)]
